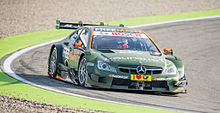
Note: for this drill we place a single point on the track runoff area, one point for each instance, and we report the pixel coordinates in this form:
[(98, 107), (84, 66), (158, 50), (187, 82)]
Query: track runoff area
[(7, 65)]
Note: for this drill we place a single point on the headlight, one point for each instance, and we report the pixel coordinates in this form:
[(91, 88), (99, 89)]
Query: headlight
[(171, 70), (106, 67)]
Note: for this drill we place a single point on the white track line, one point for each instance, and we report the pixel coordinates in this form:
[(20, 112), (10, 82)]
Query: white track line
[(7, 66), (167, 22)]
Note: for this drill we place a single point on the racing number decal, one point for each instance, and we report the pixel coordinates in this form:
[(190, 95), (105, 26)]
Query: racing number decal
[(140, 77)]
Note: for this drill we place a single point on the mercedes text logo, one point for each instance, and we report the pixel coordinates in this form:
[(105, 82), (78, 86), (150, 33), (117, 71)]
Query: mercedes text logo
[(141, 70)]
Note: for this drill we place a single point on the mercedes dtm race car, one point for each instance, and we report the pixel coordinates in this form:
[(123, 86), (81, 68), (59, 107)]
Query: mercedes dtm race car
[(114, 57)]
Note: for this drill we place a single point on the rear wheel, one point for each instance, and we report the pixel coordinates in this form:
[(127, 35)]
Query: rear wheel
[(82, 72)]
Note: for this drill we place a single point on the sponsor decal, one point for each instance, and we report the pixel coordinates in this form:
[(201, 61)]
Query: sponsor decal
[(125, 34), (116, 30), (73, 56), (118, 76), (140, 77), (105, 29), (122, 30), (139, 59), (136, 52), (162, 79)]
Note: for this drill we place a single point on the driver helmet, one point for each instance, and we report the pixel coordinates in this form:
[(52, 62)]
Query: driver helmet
[(123, 43)]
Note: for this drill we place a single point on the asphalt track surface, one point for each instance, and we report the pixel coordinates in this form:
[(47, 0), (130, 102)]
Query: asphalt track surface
[(196, 42)]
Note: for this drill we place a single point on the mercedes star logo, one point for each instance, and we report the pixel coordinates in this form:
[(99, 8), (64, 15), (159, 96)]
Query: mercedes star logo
[(141, 70)]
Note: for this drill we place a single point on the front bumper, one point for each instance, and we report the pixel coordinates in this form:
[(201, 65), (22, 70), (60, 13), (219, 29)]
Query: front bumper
[(161, 85)]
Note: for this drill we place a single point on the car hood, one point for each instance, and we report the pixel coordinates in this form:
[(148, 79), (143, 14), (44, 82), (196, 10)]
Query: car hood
[(126, 57)]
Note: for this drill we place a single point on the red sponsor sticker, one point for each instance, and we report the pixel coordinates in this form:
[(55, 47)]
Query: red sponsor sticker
[(126, 34)]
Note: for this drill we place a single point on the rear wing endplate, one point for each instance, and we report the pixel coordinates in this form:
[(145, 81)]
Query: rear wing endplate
[(66, 25)]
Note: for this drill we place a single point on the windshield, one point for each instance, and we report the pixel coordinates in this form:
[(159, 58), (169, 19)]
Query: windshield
[(123, 41)]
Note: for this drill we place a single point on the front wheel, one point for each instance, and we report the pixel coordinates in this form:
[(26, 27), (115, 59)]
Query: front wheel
[(82, 72), (52, 64)]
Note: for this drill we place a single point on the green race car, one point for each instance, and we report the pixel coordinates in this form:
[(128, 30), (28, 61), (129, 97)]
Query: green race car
[(114, 57)]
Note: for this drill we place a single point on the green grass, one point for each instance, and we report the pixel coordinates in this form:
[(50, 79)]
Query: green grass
[(13, 43), (12, 87), (160, 18)]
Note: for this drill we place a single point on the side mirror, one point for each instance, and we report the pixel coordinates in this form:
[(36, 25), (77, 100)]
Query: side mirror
[(77, 44), (168, 51)]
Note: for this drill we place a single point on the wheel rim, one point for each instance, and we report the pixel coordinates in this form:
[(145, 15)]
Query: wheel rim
[(82, 71), (53, 61)]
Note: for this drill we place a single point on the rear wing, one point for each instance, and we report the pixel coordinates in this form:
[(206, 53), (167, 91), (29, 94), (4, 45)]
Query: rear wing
[(66, 25)]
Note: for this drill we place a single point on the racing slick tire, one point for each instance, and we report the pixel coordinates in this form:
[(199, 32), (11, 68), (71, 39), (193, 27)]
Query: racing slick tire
[(55, 57), (82, 72)]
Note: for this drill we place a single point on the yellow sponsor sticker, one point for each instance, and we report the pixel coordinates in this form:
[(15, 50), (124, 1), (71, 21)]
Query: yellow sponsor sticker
[(135, 77)]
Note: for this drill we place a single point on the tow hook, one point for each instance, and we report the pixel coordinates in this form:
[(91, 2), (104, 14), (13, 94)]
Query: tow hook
[(140, 85)]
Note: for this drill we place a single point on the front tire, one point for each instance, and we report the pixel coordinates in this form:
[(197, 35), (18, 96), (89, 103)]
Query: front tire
[(55, 58), (82, 72), (52, 64)]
